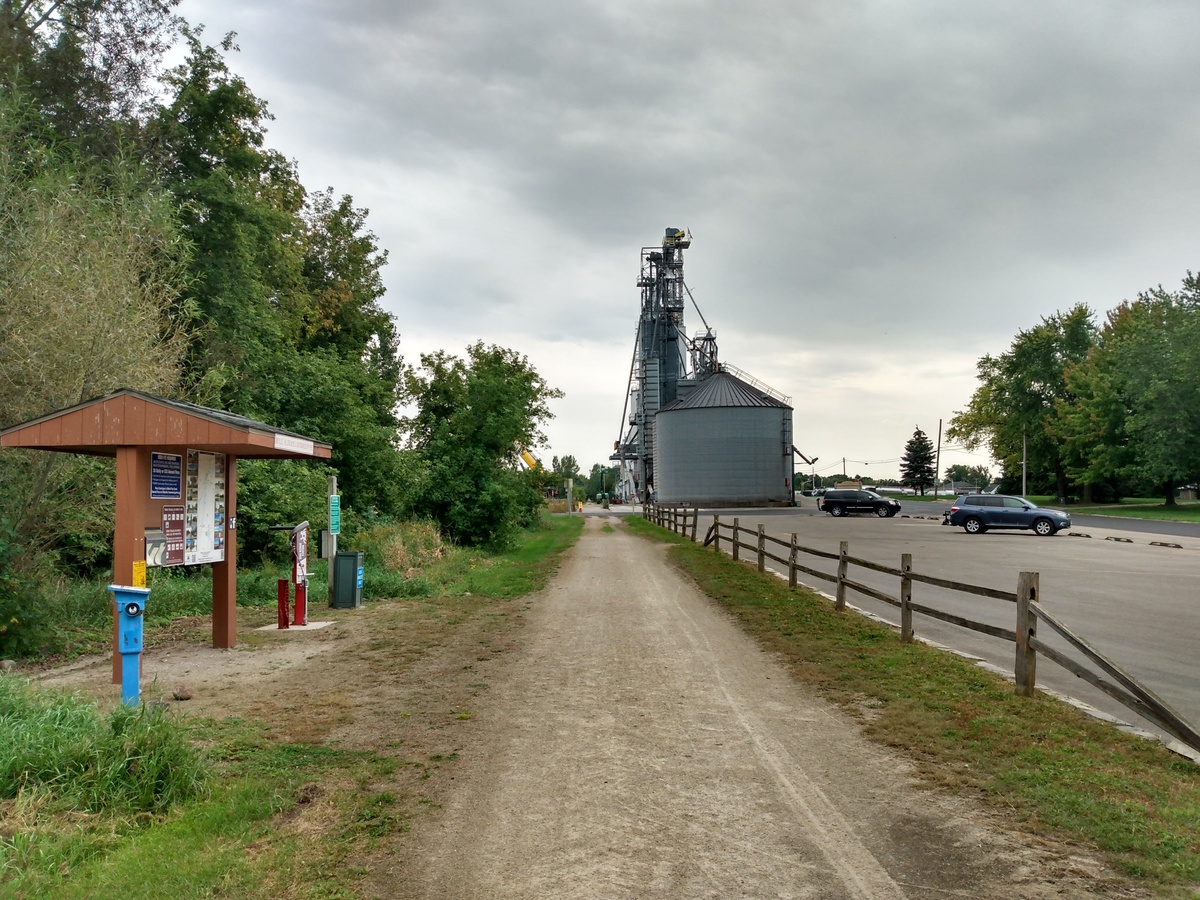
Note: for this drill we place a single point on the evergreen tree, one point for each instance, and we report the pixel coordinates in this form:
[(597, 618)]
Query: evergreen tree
[(917, 468)]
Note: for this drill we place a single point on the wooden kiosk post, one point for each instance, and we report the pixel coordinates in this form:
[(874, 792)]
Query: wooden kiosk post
[(176, 491)]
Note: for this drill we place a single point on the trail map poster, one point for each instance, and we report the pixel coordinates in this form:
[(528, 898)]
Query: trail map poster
[(204, 508)]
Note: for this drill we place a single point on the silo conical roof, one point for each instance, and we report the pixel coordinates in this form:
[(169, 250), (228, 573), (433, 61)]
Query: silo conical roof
[(722, 390)]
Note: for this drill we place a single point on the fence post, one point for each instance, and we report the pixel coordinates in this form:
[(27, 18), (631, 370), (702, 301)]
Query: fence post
[(1025, 671), (792, 563), (843, 565), (717, 533), (906, 629), (695, 517), (736, 541), (762, 548)]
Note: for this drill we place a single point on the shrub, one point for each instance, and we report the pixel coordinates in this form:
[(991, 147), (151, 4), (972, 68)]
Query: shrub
[(134, 759), (22, 624)]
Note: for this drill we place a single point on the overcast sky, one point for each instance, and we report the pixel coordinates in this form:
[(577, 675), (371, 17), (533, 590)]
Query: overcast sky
[(879, 192)]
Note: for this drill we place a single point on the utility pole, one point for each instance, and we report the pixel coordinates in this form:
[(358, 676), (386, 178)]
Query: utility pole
[(937, 463), (1024, 460)]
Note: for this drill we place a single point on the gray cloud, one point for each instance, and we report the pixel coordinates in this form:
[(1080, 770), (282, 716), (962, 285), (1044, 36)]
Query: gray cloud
[(932, 175)]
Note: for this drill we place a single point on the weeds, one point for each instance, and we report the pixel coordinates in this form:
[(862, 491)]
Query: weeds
[(62, 747)]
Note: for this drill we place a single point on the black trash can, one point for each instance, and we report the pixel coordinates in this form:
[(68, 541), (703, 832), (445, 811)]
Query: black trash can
[(347, 580)]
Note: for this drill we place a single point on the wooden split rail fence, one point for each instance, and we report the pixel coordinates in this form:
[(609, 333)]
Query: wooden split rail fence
[(1096, 668)]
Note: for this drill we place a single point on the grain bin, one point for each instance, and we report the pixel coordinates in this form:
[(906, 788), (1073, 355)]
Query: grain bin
[(724, 442)]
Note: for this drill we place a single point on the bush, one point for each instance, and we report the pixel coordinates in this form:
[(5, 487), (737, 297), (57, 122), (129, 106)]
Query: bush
[(134, 759), (22, 623)]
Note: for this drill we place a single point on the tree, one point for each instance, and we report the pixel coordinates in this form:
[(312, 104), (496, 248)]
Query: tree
[(240, 204), (917, 464), (564, 470), (1017, 401), (471, 416), (92, 270), (979, 475), (89, 65), (1139, 413), (602, 479), (287, 284)]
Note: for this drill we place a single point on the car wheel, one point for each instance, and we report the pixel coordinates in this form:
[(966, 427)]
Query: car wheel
[(1044, 527), (974, 525), (836, 510), (883, 511)]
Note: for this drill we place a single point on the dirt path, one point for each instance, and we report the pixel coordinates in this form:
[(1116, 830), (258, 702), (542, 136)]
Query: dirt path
[(614, 736), (639, 745)]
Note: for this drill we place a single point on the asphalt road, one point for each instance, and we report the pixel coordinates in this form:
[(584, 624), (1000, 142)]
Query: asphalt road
[(1132, 600)]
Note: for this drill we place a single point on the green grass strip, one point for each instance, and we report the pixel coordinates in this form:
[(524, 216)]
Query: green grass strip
[(1060, 771)]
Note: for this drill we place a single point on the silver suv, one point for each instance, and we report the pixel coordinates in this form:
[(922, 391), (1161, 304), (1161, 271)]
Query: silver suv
[(976, 513)]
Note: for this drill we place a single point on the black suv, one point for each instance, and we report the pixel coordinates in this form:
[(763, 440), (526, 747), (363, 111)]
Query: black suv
[(976, 513), (839, 502)]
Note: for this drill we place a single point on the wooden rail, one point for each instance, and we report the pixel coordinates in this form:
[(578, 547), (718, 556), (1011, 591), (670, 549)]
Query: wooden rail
[(1095, 668)]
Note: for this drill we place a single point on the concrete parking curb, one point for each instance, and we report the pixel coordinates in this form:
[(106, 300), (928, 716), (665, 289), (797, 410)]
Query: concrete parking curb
[(1124, 540)]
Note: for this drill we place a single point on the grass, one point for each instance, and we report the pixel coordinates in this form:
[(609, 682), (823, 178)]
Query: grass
[(146, 804), (66, 752), (1182, 511), (202, 848), (1038, 759), (408, 559)]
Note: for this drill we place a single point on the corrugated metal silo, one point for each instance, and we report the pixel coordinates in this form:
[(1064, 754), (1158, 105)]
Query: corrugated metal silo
[(723, 442)]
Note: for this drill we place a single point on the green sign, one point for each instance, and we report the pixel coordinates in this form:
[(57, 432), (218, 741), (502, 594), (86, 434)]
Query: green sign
[(335, 514)]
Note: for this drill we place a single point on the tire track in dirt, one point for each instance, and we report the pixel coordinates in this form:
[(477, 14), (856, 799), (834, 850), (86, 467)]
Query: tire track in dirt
[(637, 744)]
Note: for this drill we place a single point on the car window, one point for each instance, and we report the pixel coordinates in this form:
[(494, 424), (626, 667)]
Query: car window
[(1013, 503), (988, 501)]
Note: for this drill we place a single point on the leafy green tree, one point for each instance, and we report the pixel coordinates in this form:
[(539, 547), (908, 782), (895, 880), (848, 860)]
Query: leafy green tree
[(1017, 401), (240, 205), (979, 475), (92, 271), (287, 283), (917, 464), (88, 65), (564, 470), (278, 492), (1097, 450), (471, 416), (1153, 356), (602, 479)]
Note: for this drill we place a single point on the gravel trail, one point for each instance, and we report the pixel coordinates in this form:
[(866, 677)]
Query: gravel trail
[(638, 745)]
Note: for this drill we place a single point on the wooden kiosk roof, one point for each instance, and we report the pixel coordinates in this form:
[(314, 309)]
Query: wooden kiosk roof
[(130, 425), (129, 418)]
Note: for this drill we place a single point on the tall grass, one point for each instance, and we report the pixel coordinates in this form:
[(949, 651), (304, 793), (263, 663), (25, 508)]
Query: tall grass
[(400, 560), (62, 748)]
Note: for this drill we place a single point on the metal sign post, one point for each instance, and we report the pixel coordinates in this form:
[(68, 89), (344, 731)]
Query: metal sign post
[(335, 528)]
